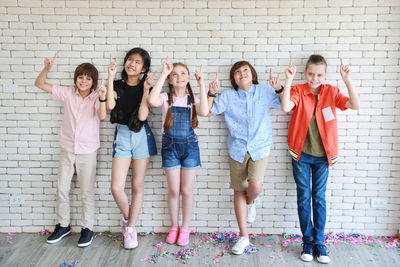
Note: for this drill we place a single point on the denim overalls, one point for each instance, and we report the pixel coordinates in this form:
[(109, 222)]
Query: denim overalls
[(180, 147)]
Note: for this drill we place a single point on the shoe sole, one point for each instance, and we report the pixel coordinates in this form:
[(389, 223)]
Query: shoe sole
[(131, 246), (182, 245), (237, 253), (306, 260), (323, 262), (85, 244), (58, 239)]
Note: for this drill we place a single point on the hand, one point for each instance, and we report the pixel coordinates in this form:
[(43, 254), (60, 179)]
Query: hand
[(48, 62), (102, 90), (344, 71), (291, 71), (149, 82), (214, 85), (199, 76), (112, 68), (167, 67), (274, 81)]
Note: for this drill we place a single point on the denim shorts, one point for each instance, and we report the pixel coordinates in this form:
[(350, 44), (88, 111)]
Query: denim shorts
[(128, 144), (180, 153)]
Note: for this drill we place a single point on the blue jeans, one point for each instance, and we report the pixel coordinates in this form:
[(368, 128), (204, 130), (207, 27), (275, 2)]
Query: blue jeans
[(318, 167)]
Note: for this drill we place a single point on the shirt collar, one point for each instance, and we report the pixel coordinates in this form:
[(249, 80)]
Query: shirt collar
[(307, 90), (244, 93), (90, 96)]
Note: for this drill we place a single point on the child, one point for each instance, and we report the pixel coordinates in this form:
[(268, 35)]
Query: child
[(313, 144), (133, 139), (84, 107), (247, 115), (180, 150)]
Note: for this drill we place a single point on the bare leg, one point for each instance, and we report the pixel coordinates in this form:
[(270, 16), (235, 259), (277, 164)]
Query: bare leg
[(239, 201), (120, 168), (139, 168), (174, 183), (187, 181), (253, 190)]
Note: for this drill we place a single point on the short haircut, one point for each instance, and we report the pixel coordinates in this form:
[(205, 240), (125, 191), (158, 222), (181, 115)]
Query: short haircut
[(317, 60), (238, 65), (89, 70)]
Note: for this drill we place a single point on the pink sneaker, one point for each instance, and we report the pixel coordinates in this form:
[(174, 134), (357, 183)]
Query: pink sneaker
[(124, 225), (130, 238), (172, 235), (183, 239)]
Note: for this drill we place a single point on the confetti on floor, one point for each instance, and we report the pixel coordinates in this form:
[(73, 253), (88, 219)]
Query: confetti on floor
[(69, 263)]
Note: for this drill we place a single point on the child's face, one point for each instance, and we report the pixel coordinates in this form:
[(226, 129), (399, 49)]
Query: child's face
[(315, 75), (243, 76), (84, 82), (179, 77), (134, 65)]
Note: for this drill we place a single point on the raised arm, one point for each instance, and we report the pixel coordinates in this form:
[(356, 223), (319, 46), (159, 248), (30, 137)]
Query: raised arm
[(41, 79), (155, 99), (275, 82), (102, 112), (286, 103), (144, 106), (354, 101), (111, 94), (212, 93), (202, 109)]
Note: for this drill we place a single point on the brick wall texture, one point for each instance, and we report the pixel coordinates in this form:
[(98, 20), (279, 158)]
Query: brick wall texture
[(365, 33)]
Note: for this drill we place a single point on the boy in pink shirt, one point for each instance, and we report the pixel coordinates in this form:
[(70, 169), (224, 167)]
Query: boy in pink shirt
[(84, 107)]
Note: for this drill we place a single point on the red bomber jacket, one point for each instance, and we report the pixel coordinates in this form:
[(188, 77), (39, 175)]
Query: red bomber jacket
[(329, 99)]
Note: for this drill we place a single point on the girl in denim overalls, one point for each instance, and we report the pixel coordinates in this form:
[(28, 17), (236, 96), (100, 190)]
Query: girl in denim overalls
[(180, 151)]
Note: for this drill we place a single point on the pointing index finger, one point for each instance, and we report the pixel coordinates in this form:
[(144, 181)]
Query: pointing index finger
[(55, 55), (216, 76), (270, 73), (291, 63), (341, 61)]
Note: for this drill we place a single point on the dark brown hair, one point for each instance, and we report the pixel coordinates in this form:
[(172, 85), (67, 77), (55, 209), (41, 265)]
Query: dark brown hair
[(238, 65), (317, 60), (146, 61), (89, 70), (168, 118)]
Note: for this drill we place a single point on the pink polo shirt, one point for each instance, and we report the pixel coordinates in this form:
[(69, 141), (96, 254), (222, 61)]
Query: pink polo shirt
[(80, 125)]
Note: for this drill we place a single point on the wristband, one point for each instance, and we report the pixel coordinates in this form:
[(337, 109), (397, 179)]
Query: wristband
[(104, 100), (211, 95), (280, 90)]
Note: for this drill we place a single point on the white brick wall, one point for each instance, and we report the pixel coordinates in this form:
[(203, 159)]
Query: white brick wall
[(213, 33)]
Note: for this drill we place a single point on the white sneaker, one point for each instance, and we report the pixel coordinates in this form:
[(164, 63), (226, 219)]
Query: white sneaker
[(251, 213), (240, 245)]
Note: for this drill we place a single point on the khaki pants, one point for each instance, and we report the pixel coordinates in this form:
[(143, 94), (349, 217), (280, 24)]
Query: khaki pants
[(85, 165)]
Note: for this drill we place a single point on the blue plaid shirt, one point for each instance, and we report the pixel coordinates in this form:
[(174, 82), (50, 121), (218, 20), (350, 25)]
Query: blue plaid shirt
[(248, 119)]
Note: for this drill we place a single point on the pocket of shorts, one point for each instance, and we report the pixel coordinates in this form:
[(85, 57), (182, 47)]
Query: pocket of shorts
[(194, 142), (166, 143)]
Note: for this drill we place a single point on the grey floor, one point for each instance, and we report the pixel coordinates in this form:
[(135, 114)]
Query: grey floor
[(106, 250)]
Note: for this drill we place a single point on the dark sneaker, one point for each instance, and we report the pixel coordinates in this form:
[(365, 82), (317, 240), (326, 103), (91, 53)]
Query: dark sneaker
[(307, 253), (322, 254), (58, 234), (86, 238)]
